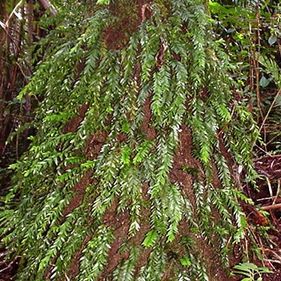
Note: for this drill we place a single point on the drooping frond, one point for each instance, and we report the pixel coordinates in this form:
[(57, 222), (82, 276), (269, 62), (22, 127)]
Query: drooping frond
[(111, 168)]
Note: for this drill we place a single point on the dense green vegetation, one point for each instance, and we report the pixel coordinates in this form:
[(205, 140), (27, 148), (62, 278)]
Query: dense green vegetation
[(148, 115)]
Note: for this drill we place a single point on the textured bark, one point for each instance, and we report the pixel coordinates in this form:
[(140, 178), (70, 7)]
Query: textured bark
[(47, 5), (3, 76)]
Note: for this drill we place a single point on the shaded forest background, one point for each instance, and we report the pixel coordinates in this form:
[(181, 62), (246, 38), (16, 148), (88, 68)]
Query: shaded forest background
[(250, 32)]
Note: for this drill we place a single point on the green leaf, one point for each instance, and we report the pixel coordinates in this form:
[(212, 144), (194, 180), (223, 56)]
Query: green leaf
[(103, 2), (142, 152), (247, 267), (264, 82), (272, 39), (185, 261), (150, 238), (125, 155), (264, 270), (125, 127), (13, 166), (205, 153)]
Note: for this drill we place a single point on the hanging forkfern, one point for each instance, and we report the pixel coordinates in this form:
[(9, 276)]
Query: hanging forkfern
[(112, 181)]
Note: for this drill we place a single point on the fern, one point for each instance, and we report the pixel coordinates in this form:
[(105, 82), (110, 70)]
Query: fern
[(170, 73)]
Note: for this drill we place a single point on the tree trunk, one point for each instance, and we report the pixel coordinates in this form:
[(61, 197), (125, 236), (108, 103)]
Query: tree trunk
[(3, 77), (141, 183)]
